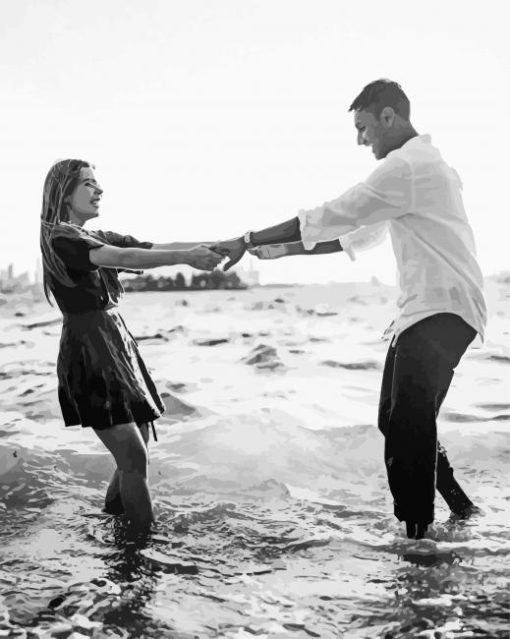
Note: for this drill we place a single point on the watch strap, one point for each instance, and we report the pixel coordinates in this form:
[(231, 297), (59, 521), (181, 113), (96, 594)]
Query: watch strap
[(247, 239)]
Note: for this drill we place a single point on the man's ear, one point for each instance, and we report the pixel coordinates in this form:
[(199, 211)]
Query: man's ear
[(387, 116)]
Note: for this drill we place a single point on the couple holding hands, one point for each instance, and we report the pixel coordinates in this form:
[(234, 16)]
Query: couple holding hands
[(414, 195)]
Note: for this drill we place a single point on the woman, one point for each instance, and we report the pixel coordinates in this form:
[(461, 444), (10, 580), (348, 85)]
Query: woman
[(103, 382)]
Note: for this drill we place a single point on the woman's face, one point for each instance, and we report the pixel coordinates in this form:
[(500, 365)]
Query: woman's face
[(84, 201)]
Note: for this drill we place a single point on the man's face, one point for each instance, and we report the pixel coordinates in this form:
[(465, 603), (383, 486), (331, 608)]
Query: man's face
[(372, 132)]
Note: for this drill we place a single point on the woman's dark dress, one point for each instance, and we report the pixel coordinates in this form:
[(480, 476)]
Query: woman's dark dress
[(102, 378)]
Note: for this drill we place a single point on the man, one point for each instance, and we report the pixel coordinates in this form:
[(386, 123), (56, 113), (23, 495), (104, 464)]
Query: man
[(417, 196)]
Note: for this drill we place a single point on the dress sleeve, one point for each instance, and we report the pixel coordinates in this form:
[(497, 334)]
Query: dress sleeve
[(72, 245), (125, 241)]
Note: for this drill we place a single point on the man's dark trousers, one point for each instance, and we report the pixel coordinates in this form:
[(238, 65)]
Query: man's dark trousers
[(417, 374)]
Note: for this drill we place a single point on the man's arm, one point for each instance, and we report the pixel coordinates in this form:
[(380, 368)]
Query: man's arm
[(386, 194), (287, 234), (322, 248), (283, 233), (360, 240), (274, 251)]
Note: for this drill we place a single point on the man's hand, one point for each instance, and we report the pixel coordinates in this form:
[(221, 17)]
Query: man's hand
[(233, 249)]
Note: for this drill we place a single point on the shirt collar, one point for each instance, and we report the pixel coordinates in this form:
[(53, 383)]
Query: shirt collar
[(412, 143), (418, 139)]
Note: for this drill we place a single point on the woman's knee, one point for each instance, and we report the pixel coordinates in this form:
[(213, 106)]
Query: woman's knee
[(133, 457), (126, 444)]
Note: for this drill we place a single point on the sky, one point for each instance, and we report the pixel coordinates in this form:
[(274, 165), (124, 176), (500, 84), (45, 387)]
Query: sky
[(208, 118)]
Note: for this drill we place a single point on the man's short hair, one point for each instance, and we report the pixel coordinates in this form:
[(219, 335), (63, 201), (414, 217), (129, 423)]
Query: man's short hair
[(382, 93)]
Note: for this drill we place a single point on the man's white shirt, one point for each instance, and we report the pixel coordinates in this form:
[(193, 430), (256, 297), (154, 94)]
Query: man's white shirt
[(417, 196)]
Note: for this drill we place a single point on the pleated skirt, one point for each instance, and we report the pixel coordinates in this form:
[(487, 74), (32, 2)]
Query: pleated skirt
[(102, 378)]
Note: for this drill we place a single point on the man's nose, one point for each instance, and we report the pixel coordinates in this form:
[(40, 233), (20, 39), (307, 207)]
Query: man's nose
[(361, 139)]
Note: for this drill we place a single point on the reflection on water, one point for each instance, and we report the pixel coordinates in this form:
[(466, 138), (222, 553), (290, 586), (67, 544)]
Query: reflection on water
[(273, 514), (270, 565)]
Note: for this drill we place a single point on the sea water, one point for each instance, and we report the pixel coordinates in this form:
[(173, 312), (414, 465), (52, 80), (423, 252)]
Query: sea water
[(274, 518)]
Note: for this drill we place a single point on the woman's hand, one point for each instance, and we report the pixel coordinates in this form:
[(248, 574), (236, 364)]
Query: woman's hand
[(270, 251), (203, 258)]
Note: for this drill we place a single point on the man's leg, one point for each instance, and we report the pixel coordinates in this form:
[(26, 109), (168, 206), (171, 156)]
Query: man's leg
[(446, 484), (448, 487), (383, 418), (385, 405), (423, 363), (460, 336)]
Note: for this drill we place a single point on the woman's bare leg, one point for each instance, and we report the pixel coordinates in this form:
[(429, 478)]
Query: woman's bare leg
[(113, 502), (128, 445), (144, 431)]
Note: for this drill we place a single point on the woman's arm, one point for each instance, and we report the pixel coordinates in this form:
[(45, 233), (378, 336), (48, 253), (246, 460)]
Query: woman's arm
[(179, 246), (199, 257)]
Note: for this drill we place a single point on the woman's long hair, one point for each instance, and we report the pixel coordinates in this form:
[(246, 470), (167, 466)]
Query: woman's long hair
[(60, 183)]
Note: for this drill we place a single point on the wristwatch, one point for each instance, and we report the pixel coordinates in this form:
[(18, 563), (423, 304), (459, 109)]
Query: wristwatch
[(247, 239)]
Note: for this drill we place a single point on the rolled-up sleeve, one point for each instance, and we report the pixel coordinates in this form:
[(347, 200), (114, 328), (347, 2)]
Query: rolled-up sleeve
[(387, 193), (366, 237)]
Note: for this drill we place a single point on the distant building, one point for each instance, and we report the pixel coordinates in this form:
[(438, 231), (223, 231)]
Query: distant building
[(10, 283), (38, 274)]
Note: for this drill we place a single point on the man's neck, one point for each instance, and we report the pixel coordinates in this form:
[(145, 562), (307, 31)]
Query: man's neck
[(404, 135)]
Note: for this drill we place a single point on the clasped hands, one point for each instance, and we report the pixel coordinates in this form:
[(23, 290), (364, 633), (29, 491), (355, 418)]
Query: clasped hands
[(235, 249)]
